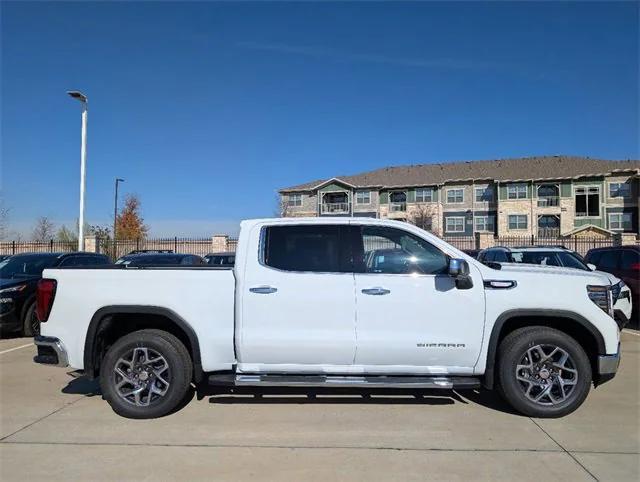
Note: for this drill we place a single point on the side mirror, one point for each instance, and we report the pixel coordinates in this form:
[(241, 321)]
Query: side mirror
[(592, 267), (459, 270)]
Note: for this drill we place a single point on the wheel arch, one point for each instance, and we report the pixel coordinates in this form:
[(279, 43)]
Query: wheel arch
[(573, 324), (112, 322)]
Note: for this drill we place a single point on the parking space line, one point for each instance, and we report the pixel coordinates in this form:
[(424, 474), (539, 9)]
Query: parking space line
[(631, 332), (16, 348)]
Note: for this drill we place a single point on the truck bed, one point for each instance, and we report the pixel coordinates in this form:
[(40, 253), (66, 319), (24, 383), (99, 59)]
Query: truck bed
[(201, 296)]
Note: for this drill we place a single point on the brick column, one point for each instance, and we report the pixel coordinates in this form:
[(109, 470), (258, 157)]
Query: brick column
[(485, 240), (91, 244), (628, 238), (219, 243)]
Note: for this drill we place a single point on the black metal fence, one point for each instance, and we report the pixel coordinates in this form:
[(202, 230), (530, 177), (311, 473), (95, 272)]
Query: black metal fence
[(51, 246), (579, 244), (199, 246)]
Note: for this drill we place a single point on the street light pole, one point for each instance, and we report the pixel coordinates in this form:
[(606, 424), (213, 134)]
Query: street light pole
[(83, 159), (115, 213)]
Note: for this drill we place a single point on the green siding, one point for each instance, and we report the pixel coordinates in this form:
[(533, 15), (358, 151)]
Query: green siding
[(582, 221), (411, 195), (502, 192), (565, 189), (384, 197), (334, 187), (588, 180)]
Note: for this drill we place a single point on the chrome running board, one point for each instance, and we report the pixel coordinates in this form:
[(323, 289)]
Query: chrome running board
[(334, 381)]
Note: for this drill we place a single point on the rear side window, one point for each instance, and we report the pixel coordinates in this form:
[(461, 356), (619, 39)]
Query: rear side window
[(629, 257), (609, 260), (501, 257), (80, 261), (313, 248)]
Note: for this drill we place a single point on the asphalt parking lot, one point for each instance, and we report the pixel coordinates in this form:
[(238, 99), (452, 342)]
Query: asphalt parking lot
[(56, 427)]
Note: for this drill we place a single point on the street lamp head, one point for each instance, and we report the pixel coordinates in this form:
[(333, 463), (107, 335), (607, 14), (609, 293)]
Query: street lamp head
[(77, 95), (119, 180)]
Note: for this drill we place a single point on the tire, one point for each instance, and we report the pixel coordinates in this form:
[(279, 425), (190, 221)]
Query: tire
[(168, 368), (520, 387), (30, 323)]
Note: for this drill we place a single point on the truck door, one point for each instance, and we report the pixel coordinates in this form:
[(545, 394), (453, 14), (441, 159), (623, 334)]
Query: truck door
[(410, 316), (297, 300)]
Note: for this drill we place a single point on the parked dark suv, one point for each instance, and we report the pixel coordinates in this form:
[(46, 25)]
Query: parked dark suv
[(623, 262), (19, 275), (155, 259)]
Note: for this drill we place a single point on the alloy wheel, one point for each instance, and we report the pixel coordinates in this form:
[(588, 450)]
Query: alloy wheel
[(547, 374), (142, 376)]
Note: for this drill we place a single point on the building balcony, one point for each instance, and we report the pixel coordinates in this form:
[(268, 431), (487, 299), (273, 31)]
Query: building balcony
[(396, 207), (334, 208), (548, 201)]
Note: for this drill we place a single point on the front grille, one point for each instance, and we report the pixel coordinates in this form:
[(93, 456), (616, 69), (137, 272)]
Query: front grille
[(615, 291)]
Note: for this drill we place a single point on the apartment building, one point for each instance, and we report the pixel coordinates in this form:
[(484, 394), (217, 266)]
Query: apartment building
[(543, 196)]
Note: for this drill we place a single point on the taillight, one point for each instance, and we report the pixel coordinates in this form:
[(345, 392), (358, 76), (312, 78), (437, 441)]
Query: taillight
[(635, 267), (44, 298)]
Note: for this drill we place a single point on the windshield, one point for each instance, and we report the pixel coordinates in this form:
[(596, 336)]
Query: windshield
[(26, 266), (148, 260), (549, 258)]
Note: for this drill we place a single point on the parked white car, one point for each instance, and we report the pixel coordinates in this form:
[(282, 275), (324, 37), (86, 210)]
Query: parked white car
[(554, 257), (308, 304)]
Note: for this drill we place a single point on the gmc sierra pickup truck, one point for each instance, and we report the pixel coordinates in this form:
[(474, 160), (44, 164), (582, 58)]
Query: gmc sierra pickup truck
[(332, 302)]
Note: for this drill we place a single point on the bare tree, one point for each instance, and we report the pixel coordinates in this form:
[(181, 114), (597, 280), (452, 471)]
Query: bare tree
[(422, 217), (44, 230), (4, 220), (282, 206)]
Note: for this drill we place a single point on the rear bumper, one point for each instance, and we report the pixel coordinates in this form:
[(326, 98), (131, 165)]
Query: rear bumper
[(50, 351)]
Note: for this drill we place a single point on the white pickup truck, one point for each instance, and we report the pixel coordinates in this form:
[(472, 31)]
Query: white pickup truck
[(332, 302)]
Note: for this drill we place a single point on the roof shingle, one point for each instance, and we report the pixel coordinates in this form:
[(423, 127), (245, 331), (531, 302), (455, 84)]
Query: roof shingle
[(520, 169)]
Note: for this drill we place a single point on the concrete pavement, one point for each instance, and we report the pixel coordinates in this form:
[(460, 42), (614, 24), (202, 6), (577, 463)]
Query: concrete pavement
[(55, 427)]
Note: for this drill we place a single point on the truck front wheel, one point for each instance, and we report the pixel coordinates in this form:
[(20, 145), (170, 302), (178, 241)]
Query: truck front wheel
[(543, 372), (146, 374)]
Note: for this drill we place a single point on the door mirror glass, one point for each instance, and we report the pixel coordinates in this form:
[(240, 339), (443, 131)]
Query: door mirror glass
[(458, 267), (459, 270), (592, 267)]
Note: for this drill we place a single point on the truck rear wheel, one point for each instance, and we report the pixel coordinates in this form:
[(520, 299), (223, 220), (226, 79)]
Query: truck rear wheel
[(543, 372), (146, 374)]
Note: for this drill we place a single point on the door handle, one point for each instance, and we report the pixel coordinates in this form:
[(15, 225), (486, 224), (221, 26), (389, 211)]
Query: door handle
[(263, 290), (376, 291)]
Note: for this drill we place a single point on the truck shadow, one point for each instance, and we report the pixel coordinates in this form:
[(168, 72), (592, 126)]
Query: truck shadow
[(81, 385)]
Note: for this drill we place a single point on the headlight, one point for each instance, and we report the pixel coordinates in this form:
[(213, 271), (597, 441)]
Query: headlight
[(601, 296), (13, 289), (616, 290)]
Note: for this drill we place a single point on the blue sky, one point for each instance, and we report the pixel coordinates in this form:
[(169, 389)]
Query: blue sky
[(206, 109)]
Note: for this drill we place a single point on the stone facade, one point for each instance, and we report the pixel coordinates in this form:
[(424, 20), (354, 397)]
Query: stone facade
[(553, 200)]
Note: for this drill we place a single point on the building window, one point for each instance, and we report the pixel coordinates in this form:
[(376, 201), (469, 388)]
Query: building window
[(424, 195), (517, 221), (517, 191), (620, 221), (484, 224), (363, 197), (455, 196), (294, 200), (587, 201), (619, 189), (454, 224), (484, 194)]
